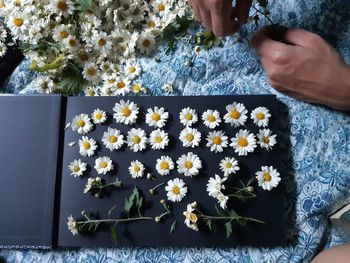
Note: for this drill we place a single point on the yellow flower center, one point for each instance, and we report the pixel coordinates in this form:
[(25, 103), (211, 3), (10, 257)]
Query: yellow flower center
[(102, 42), (136, 139), (113, 138), (228, 165), (2, 4), (188, 116), (146, 43), (83, 57), (64, 34), (267, 177), (120, 84), (18, 21), (103, 164), (235, 114), (266, 140), (132, 69), (211, 118), (137, 88), (243, 142), (188, 164), (217, 140), (189, 137), (175, 190), (193, 217), (91, 72), (126, 112), (156, 117), (86, 145), (98, 116), (158, 139), (62, 5), (164, 165), (161, 7), (111, 81), (151, 24), (260, 116), (92, 92), (137, 168), (81, 123), (76, 168), (72, 42)]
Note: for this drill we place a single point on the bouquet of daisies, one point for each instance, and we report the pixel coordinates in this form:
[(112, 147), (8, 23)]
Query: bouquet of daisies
[(90, 44)]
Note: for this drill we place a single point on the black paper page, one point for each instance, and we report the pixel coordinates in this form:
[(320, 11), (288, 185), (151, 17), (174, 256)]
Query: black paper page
[(29, 136), (267, 207)]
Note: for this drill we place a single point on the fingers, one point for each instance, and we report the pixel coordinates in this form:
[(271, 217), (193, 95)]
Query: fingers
[(197, 13), (206, 19), (300, 37), (222, 22), (268, 48), (242, 10)]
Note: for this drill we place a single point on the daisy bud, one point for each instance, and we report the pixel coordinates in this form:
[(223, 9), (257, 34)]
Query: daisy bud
[(157, 219), (83, 212), (162, 202), (97, 195), (197, 49), (250, 189), (151, 191), (149, 176), (194, 204)]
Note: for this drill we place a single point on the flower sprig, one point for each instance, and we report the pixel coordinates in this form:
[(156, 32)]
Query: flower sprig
[(97, 185), (132, 207), (193, 214)]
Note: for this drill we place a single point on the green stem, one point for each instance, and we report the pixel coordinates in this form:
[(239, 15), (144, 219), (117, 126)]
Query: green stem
[(266, 16), (232, 218), (115, 220)]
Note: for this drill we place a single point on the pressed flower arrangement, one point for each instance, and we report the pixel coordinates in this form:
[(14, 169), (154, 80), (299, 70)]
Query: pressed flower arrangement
[(137, 131)]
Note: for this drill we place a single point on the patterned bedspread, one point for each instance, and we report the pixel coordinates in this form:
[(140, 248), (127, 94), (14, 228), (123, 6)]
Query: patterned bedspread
[(316, 140)]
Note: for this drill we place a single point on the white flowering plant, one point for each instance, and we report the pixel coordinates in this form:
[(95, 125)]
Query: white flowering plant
[(93, 45)]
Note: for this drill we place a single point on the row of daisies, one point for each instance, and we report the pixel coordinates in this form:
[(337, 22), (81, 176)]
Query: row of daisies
[(127, 112), (187, 164)]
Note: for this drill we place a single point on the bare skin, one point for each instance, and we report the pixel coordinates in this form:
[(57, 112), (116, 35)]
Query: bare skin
[(220, 16), (304, 66), (337, 254)]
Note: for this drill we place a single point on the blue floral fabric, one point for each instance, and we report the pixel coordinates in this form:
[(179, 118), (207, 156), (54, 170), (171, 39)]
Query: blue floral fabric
[(315, 139)]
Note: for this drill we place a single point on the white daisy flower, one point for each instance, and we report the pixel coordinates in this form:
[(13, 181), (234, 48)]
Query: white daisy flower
[(260, 116), (162, 7), (99, 116), (229, 166), (157, 117), (72, 225), (266, 139), (103, 165), (188, 116), (87, 146), (61, 33), (236, 114), (77, 168), (82, 124), (18, 23), (137, 139), (125, 112), (217, 141), (189, 164), (215, 185), (164, 165), (211, 118), (112, 139), (158, 139), (222, 200), (136, 169), (176, 190), (103, 43), (132, 69), (190, 137), (91, 72), (190, 217), (122, 86), (168, 88), (91, 91), (62, 7), (146, 42), (268, 177), (244, 142), (138, 88), (72, 43)]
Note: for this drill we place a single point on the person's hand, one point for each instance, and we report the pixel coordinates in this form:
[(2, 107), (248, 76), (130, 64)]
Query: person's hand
[(303, 65), (219, 16)]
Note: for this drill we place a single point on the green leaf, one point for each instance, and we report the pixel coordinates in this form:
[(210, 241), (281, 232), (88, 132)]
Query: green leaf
[(114, 234), (228, 227), (133, 200), (173, 226), (128, 203), (96, 226), (84, 5), (72, 81), (218, 211), (209, 224), (233, 214)]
